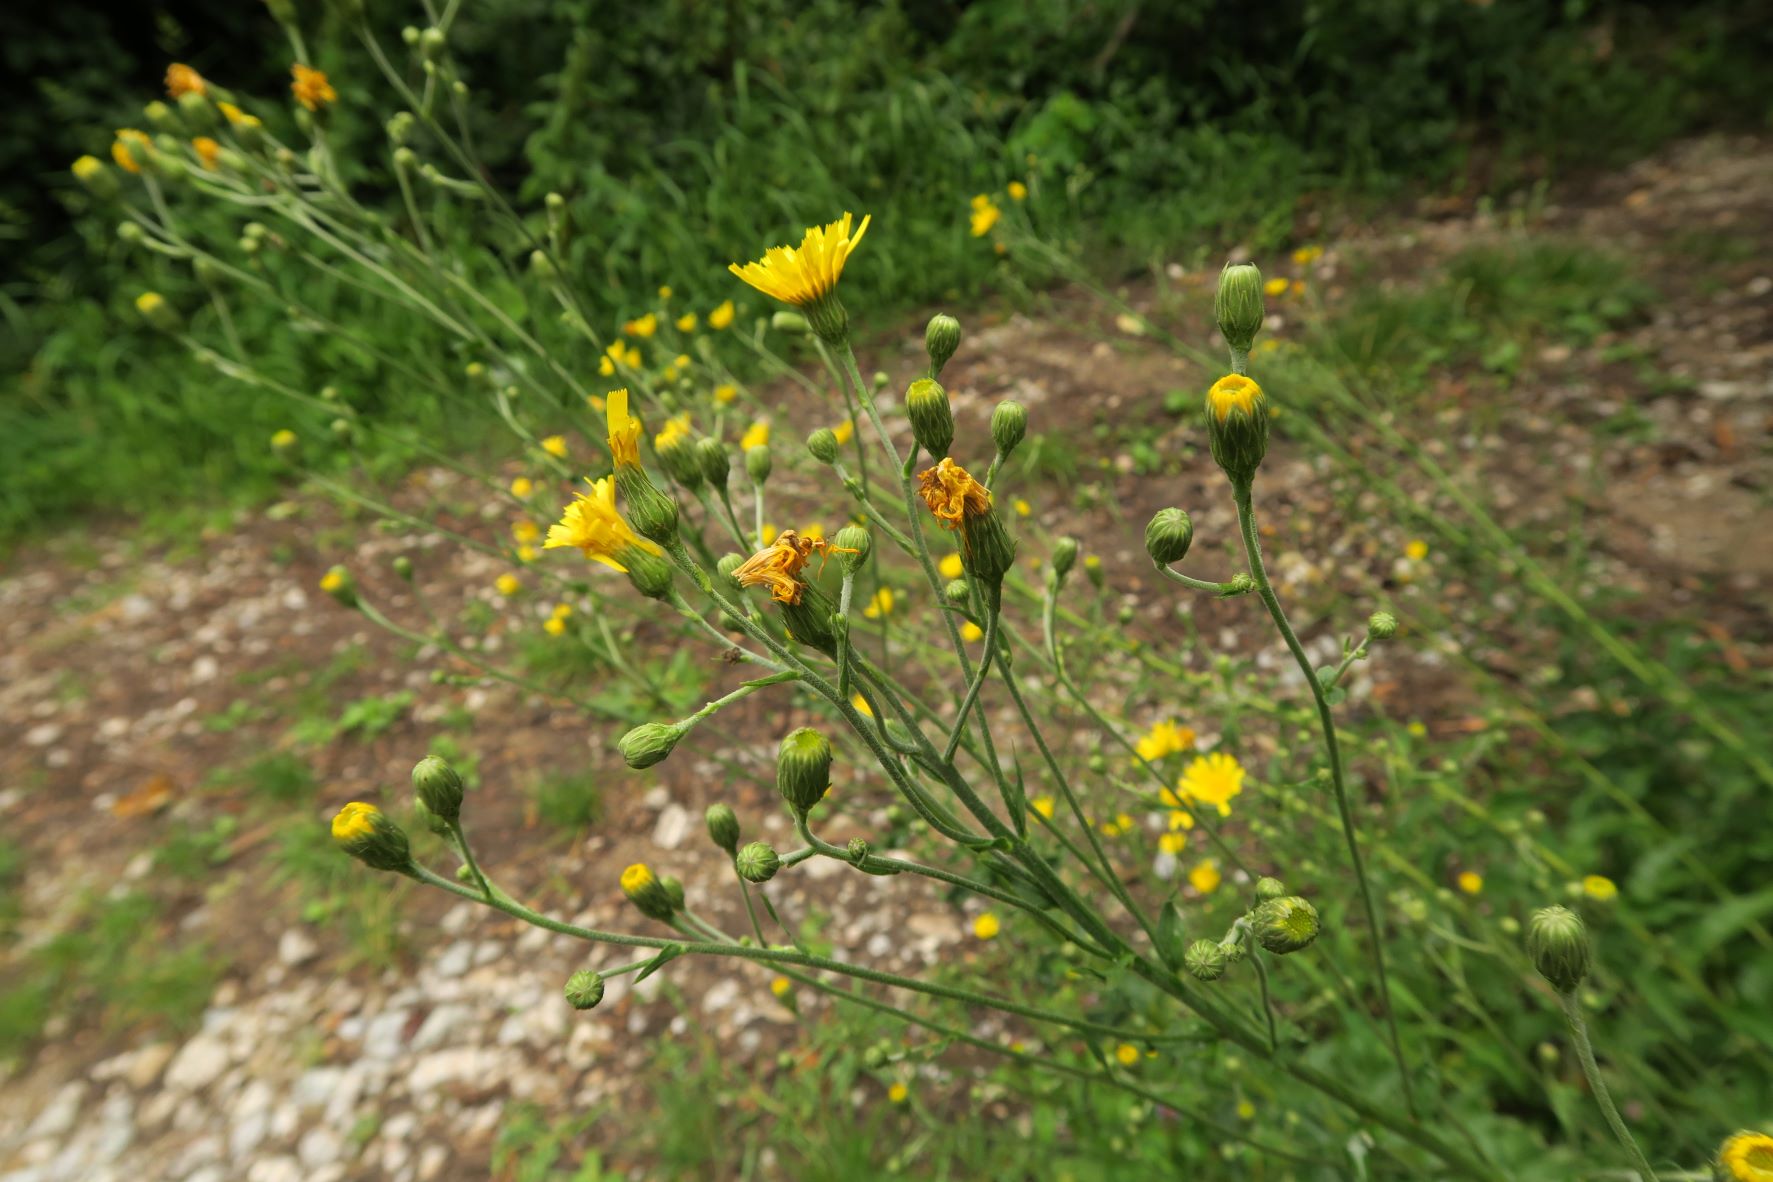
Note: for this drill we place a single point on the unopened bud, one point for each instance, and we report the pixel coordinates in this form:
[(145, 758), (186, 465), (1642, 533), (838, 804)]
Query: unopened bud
[(1168, 535), (1557, 941), (854, 543), (366, 833), (1237, 426), (803, 768), (646, 892), (338, 583), (100, 181), (1285, 924), (941, 337), (932, 419), (822, 443), (542, 267), (438, 788), (1382, 625), (1064, 557), (1205, 960), (403, 567), (584, 989), (649, 743), (757, 862), (432, 44), (723, 826), (712, 459), (157, 312), (1269, 888), (1009, 423), (1238, 305), (758, 463), (958, 592), (857, 849), (792, 323)]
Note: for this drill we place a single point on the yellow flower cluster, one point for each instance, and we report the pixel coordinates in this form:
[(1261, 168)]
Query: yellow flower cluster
[(310, 87), (803, 275)]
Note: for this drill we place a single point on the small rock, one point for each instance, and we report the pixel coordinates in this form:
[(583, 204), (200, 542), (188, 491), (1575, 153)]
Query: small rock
[(674, 827), (296, 947), (197, 1064)]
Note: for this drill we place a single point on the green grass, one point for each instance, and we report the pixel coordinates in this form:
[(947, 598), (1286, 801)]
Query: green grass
[(567, 801)]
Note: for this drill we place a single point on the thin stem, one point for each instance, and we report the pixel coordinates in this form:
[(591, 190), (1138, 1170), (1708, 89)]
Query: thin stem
[(1585, 1052), (978, 683)]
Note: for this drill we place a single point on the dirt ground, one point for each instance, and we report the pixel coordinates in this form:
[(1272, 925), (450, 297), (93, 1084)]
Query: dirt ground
[(116, 664)]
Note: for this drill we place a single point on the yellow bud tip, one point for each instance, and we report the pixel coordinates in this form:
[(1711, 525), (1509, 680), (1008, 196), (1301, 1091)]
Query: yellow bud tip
[(355, 821), (986, 926), (149, 302), (637, 877), (1233, 392), (88, 167)]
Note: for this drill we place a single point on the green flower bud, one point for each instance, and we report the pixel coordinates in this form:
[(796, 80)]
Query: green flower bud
[(652, 514), (1235, 952), (1205, 960), (723, 826), (406, 162), (399, 127), (791, 323), (1238, 305), (584, 989), (1237, 426), (853, 538), (542, 267), (1285, 924), (1382, 625), (160, 116), (857, 849), (1269, 888), (957, 592), (432, 44), (724, 569), (988, 550), (1009, 423), (1168, 535), (941, 337), (649, 743), (712, 457), (99, 180), (157, 312), (1557, 941), (366, 833), (803, 768), (1064, 557), (822, 443), (758, 463), (646, 892), (1093, 571), (403, 567), (648, 572), (681, 462), (431, 821), (438, 788), (932, 419), (673, 891), (757, 862), (338, 583), (198, 113), (1239, 584)]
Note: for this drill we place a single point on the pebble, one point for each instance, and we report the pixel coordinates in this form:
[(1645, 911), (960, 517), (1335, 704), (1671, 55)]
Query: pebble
[(197, 1064)]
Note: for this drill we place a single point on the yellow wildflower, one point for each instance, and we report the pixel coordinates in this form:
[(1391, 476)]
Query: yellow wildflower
[(1307, 255), (951, 566), (283, 439), (554, 626), (898, 1093), (1275, 287), (592, 526), (527, 553), (861, 706), (985, 215), (555, 445), (1211, 779), (778, 565), (1119, 825), (332, 580), (952, 494), (1416, 551), (756, 435), (310, 87), (1172, 843), (208, 151), (1747, 1157), (522, 487), (780, 986), (1164, 738), (238, 119), (1298, 287), (665, 291), (806, 274), (1022, 507), (677, 429), (880, 605), (355, 821), (725, 394), (1126, 1054), (1600, 888), (1471, 882), (182, 80), (971, 632), (986, 926), (1017, 191), (813, 531), (561, 611), (722, 316), (1205, 878), (1180, 818), (1417, 729), (687, 322), (508, 584), (1042, 805), (769, 533), (844, 431), (1233, 392), (131, 149), (624, 429), (643, 327)]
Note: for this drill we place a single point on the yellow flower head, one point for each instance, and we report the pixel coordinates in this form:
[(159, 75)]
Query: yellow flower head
[(861, 706), (592, 526), (555, 445), (355, 821), (756, 435), (952, 494), (522, 487), (1747, 1157), (778, 565), (1471, 882), (880, 605), (644, 326), (1307, 255), (208, 151), (283, 439), (624, 429), (898, 1093), (986, 926), (182, 80), (687, 322), (803, 275), (1233, 392), (332, 581), (984, 216), (1210, 779), (508, 584), (1017, 191), (844, 431), (725, 394), (637, 877), (131, 149), (1172, 843), (780, 986), (970, 632), (1276, 287), (525, 532), (1126, 1054), (1205, 878), (88, 167), (1042, 805), (1600, 888), (951, 566), (677, 429), (722, 316), (238, 118), (310, 87), (1416, 551), (1164, 738), (554, 626)]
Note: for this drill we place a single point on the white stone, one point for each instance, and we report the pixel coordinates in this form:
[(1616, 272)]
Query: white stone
[(275, 1169), (197, 1064), (296, 947), (320, 1147), (674, 827)]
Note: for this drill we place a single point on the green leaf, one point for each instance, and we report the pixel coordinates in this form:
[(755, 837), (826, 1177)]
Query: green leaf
[(1726, 919), (667, 954), (1171, 940)]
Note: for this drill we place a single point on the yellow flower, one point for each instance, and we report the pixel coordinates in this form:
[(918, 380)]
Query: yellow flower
[(1233, 392), (722, 316), (986, 926), (1307, 255), (619, 353), (1246, 1110), (555, 445), (208, 151), (985, 215), (131, 149), (1205, 878), (311, 89), (1180, 819), (1275, 287), (237, 118), (1211, 779), (1600, 888), (522, 487), (807, 274), (1747, 1157), (860, 705), (778, 566), (951, 566), (355, 821), (1042, 805), (952, 494), (526, 553), (1022, 507), (1017, 191), (677, 429), (1121, 824), (756, 435), (1172, 843), (880, 605), (665, 291), (1298, 287), (1416, 551), (525, 532), (687, 322), (624, 429), (769, 533), (725, 394), (1471, 882), (88, 167), (332, 580), (780, 986), (1164, 738), (182, 80), (283, 439), (637, 877), (1126, 1054), (813, 532), (554, 626), (561, 611), (645, 326), (508, 584), (898, 1093), (592, 526), (971, 632), (844, 431)]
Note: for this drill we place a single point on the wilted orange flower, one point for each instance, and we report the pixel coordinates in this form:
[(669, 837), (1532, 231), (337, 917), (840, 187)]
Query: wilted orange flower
[(952, 494), (182, 80), (311, 89), (778, 565)]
